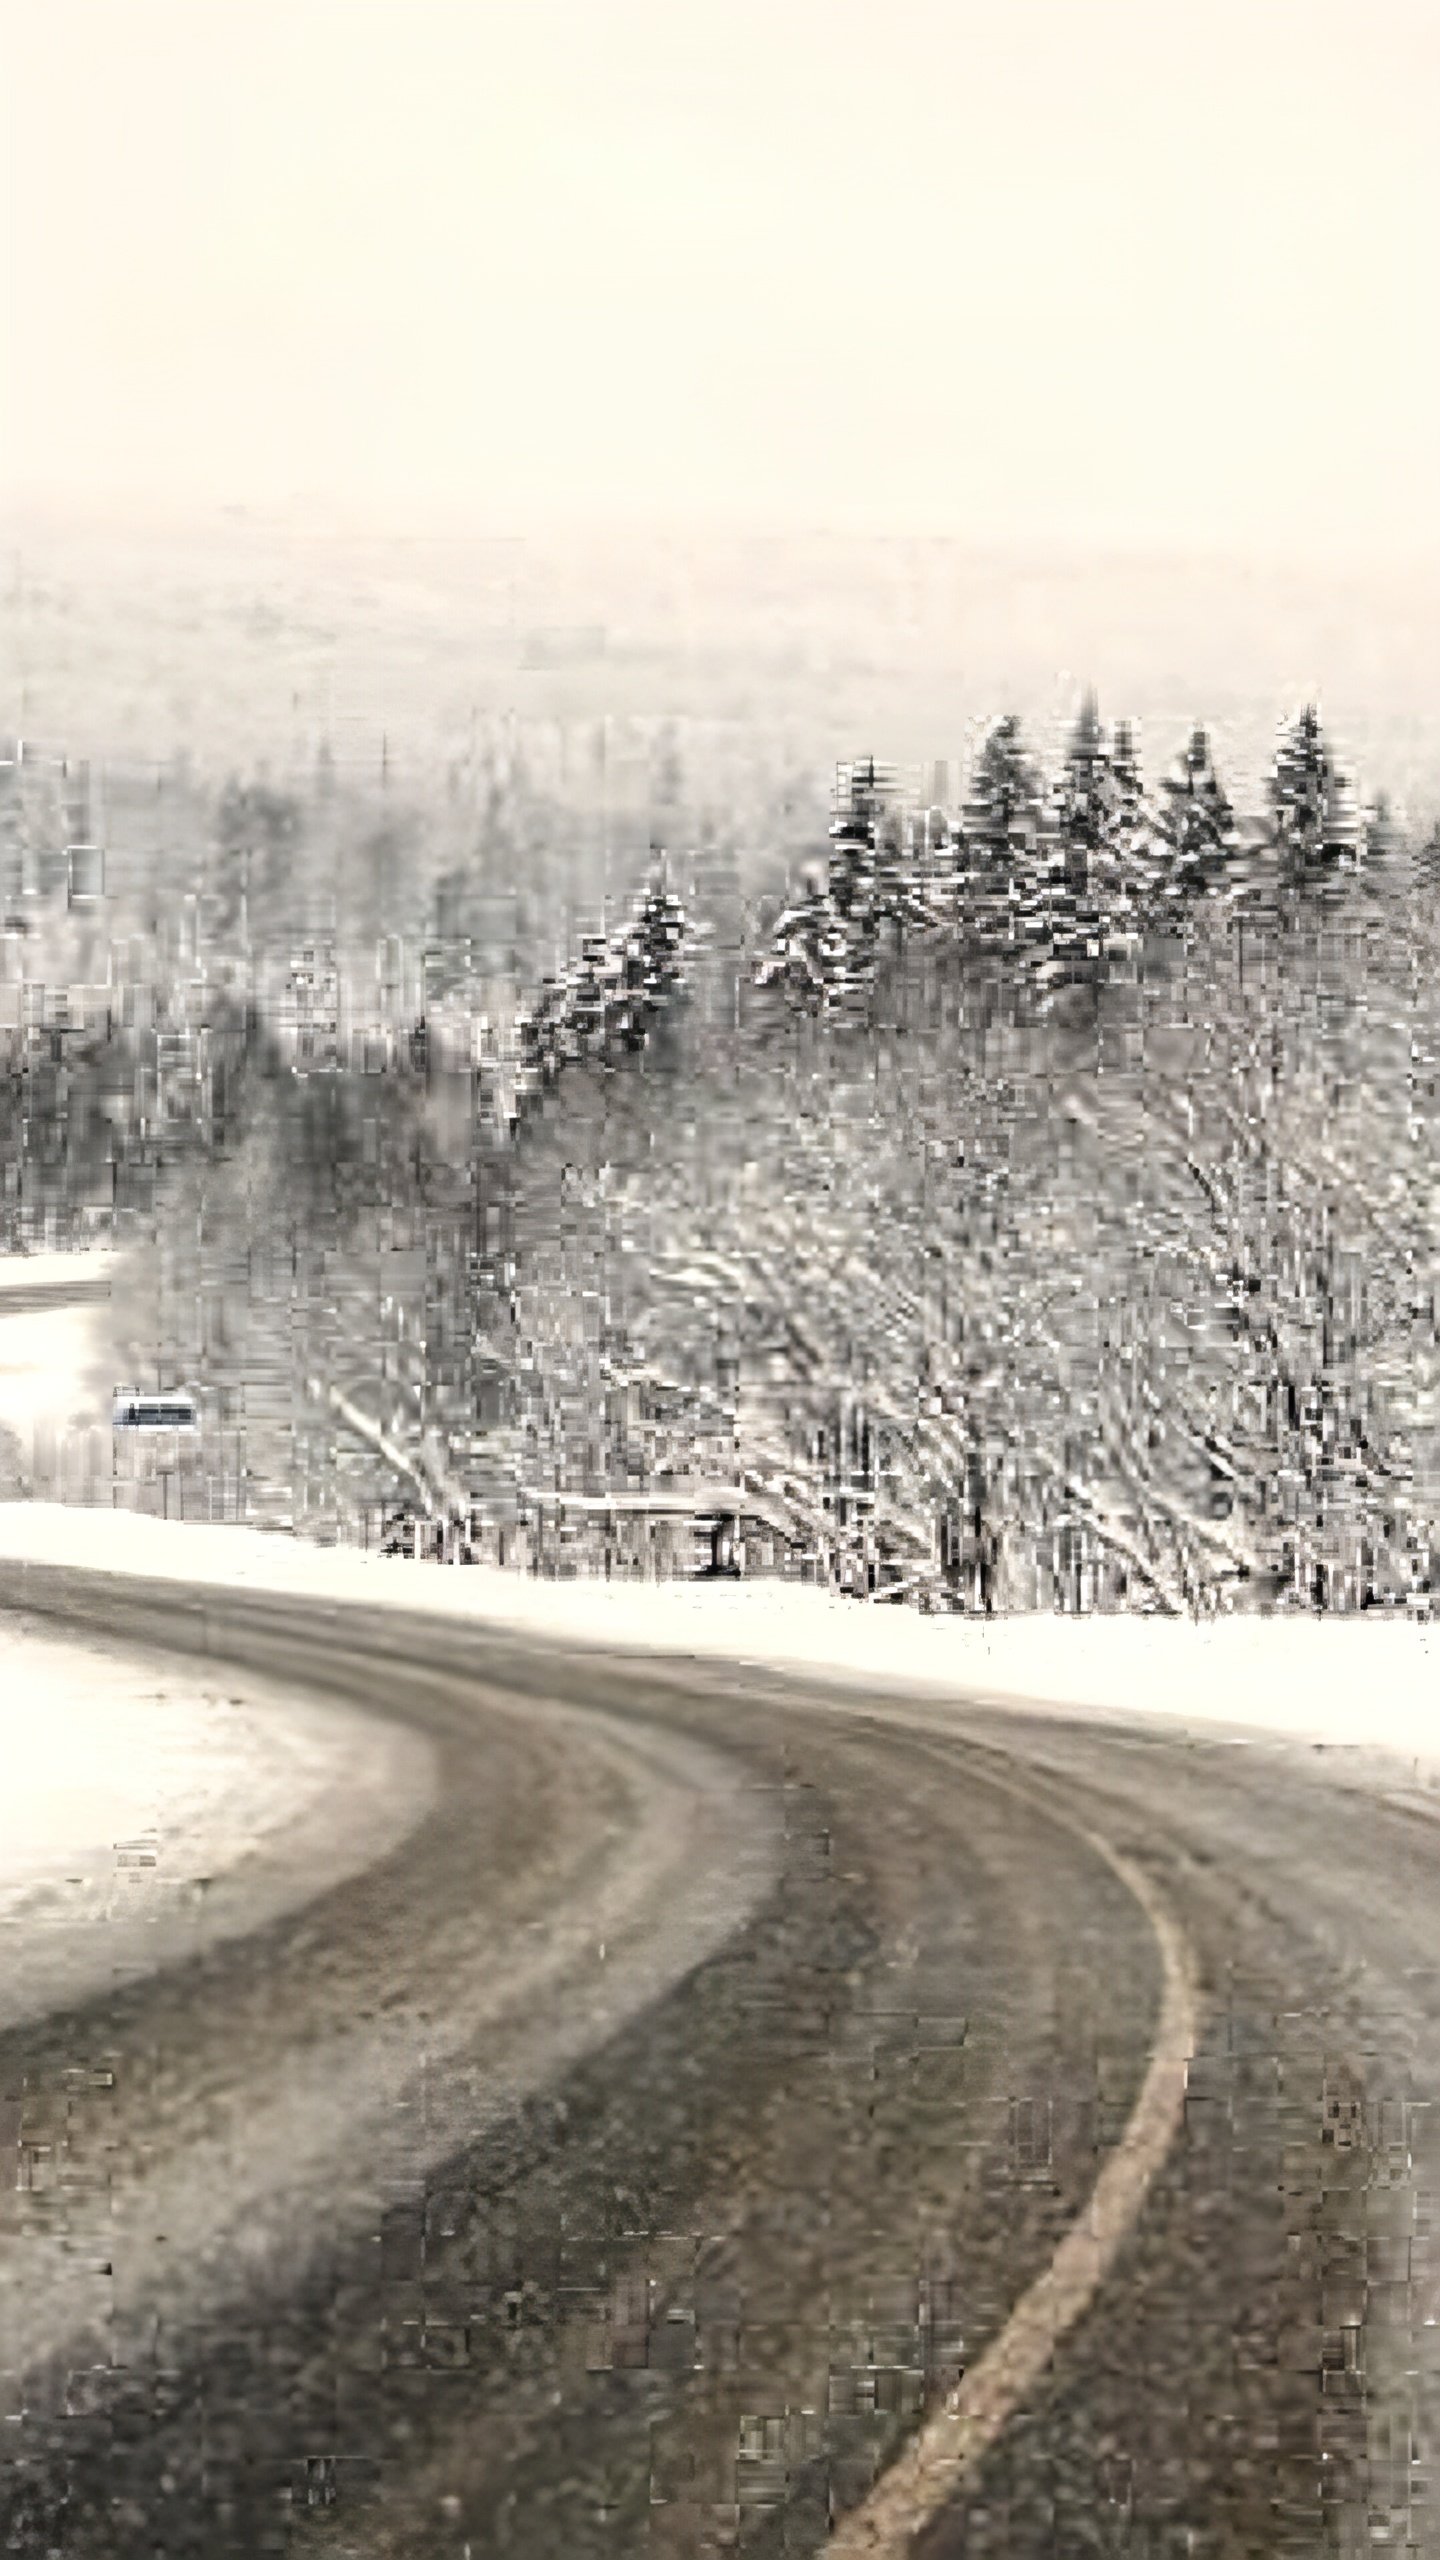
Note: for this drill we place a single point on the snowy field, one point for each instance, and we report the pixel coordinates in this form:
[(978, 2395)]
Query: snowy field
[(1342, 1682)]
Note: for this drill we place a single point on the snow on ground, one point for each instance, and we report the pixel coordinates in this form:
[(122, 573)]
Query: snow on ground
[(128, 1777), (1337, 1681), (56, 1270), (47, 1355), (149, 1804), (122, 1777), (50, 1355)]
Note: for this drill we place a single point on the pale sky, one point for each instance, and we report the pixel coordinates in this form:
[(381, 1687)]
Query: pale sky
[(1077, 268)]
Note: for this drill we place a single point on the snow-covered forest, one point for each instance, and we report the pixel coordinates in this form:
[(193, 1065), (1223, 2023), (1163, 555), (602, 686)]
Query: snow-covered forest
[(1022, 1193)]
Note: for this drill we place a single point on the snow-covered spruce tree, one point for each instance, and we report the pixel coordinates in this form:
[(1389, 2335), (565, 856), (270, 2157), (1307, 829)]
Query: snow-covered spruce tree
[(1069, 929), (1085, 797), (855, 832), (874, 869), (826, 944), (1314, 823), (1130, 888), (857, 859), (651, 961), (903, 864), (808, 952), (540, 1039), (998, 846), (611, 1001), (593, 986), (1197, 849), (638, 972)]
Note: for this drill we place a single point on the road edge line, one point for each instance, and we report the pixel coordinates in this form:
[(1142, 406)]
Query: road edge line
[(929, 2470)]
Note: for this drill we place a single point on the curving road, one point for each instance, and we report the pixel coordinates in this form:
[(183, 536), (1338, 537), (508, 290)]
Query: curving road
[(635, 2153)]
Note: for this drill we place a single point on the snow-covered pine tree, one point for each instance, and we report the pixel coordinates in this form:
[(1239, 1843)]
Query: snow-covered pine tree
[(1314, 823), (1129, 886), (873, 878), (825, 946), (647, 963), (588, 994), (609, 1002), (900, 902), (661, 929), (808, 954), (1069, 924), (855, 836), (641, 967), (1198, 845), (999, 843), (540, 1041), (1085, 797)]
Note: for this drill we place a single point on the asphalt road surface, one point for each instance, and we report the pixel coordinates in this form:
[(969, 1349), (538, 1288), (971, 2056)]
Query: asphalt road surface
[(635, 2155)]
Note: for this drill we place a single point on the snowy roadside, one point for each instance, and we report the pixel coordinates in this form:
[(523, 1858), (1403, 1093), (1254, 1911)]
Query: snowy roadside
[(150, 1804), (51, 1307), (48, 1361), (1357, 1683), (84, 1271)]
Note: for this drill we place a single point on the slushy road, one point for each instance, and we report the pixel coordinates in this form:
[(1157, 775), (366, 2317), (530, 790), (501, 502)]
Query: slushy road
[(630, 2158)]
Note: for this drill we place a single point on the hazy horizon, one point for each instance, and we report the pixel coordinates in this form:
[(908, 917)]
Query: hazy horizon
[(1155, 279), (253, 635), (836, 379)]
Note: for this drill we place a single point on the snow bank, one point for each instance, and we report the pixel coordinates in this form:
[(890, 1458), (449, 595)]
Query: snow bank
[(50, 1354), (56, 1270), (117, 1775), (47, 1367), (128, 1781), (1350, 1681)]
